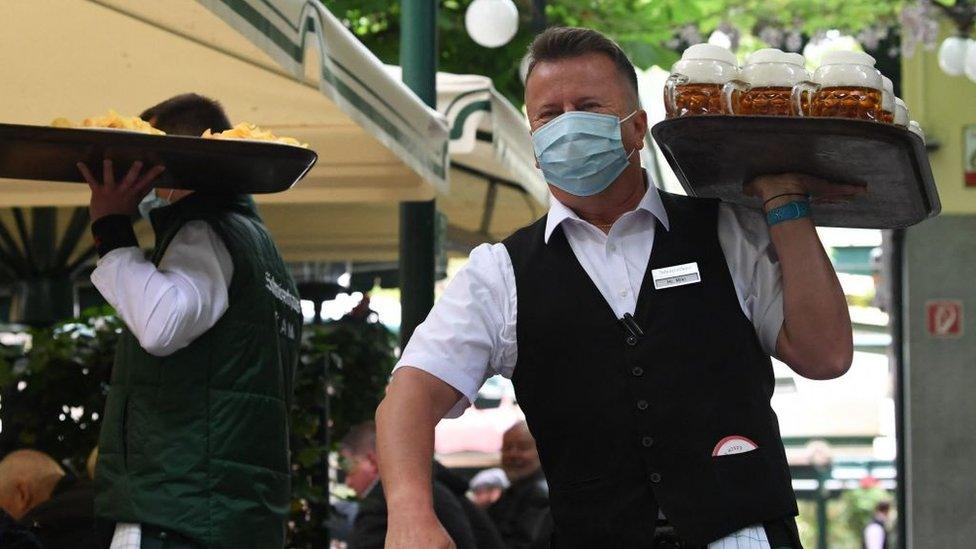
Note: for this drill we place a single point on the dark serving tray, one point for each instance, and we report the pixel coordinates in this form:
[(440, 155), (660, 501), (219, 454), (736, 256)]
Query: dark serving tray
[(209, 165), (713, 156)]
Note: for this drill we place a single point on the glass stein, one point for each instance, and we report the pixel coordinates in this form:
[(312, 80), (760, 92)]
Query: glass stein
[(765, 84), (696, 81), (846, 85)]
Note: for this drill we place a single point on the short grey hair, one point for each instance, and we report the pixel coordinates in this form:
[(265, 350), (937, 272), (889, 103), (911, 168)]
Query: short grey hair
[(361, 439)]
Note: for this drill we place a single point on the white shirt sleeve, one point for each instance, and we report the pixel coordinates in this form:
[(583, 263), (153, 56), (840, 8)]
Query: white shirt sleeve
[(874, 536), (755, 270), (166, 308), (469, 335)]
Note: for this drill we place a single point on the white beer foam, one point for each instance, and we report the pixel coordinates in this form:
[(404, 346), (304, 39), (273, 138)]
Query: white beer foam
[(901, 112), (709, 51), (841, 57), (887, 95), (706, 71), (861, 76), (773, 74)]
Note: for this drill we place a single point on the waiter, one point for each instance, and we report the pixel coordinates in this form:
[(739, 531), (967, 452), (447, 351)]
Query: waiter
[(645, 376), (193, 450)]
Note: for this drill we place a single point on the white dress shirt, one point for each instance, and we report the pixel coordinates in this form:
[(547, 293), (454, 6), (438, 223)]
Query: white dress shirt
[(169, 306), (469, 335), (874, 536)]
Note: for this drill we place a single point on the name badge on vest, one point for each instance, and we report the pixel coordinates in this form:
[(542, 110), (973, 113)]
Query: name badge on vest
[(679, 275)]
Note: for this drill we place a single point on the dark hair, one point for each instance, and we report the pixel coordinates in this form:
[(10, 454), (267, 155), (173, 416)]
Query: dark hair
[(361, 438), (883, 506), (565, 42), (188, 114)]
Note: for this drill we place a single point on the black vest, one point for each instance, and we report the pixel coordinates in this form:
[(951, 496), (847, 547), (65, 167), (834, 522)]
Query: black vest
[(627, 425)]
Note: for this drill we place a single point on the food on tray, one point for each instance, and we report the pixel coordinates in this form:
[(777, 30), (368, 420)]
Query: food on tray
[(253, 133), (112, 120)]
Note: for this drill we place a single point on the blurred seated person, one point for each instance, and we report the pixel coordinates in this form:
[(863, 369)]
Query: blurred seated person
[(520, 513), (486, 535), (487, 486), (358, 457), (55, 505)]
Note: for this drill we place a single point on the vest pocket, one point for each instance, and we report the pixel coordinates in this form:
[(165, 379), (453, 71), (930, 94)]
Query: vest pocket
[(739, 473)]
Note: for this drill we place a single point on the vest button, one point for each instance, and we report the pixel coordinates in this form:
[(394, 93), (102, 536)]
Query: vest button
[(637, 371), (647, 442), (631, 340), (642, 405), (655, 478)]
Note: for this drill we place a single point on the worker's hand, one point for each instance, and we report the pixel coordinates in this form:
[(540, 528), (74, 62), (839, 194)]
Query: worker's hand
[(820, 190), (111, 198), (414, 532)]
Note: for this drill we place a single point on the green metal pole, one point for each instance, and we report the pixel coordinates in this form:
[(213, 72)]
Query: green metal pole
[(418, 58), (823, 496)]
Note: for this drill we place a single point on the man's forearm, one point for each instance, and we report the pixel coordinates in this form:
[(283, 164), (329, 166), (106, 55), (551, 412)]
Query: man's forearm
[(405, 440), (816, 338), (415, 401)]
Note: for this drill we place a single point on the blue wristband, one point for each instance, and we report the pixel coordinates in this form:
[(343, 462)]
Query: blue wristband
[(797, 209)]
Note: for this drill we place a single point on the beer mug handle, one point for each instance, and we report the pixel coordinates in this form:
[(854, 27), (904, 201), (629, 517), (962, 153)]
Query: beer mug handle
[(796, 96), (730, 88), (670, 93)]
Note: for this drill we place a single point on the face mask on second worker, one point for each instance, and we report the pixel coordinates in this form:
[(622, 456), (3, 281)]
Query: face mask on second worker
[(152, 201)]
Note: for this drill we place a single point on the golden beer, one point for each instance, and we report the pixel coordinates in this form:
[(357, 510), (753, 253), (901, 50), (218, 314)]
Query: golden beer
[(695, 99), (766, 101), (847, 102)]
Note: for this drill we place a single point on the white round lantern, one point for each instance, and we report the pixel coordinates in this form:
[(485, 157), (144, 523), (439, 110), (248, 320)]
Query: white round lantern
[(491, 23), (952, 54), (969, 63)]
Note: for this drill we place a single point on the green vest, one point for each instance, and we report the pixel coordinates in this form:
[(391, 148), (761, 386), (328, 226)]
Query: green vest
[(197, 442)]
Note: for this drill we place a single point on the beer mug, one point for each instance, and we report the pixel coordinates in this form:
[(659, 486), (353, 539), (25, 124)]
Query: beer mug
[(846, 85), (765, 84), (887, 100), (695, 84), (901, 113)]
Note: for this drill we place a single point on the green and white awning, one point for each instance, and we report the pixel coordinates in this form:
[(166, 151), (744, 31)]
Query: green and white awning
[(289, 66), (286, 65)]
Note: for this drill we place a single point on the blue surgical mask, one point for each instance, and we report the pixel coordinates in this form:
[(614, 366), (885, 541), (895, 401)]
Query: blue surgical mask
[(150, 202), (580, 152)]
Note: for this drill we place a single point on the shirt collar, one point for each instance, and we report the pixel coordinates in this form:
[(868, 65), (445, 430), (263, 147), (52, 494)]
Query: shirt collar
[(651, 202)]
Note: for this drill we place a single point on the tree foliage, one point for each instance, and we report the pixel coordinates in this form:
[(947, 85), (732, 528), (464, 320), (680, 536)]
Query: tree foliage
[(52, 395), (652, 32)]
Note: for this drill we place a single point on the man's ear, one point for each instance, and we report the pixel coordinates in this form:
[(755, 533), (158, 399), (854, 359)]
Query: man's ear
[(22, 499), (374, 462), (640, 128)]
